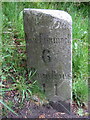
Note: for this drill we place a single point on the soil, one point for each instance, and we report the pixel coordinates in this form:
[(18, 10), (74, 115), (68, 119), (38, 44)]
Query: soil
[(34, 109)]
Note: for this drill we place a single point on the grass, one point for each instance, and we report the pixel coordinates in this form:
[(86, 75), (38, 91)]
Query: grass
[(24, 87), (2, 91), (13, 47)]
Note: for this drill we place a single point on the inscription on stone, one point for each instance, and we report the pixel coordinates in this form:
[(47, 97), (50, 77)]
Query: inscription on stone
[(46, 55), (48, 35)]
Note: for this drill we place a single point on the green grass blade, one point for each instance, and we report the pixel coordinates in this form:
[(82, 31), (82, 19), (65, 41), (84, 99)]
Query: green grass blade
[(30, 92), (5, 90), (33, 74), (8, 107), (23, 96)]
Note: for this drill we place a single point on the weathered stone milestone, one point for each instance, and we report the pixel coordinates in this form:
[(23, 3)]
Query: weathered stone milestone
[(48, 35)]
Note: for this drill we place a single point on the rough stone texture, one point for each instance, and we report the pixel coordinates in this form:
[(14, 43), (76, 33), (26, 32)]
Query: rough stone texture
[(48, 35)]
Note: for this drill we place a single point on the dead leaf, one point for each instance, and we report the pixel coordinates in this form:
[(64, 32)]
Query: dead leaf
[(42, 116)]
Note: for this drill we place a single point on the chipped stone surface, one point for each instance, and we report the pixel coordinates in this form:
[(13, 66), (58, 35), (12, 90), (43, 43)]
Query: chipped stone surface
[(48, 35)]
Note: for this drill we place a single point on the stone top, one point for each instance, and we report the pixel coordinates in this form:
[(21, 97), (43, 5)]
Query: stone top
[(54, 13)]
